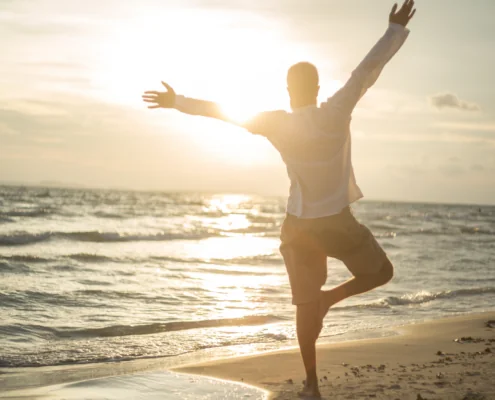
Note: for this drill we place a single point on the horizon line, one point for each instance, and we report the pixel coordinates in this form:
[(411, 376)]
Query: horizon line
[(77, 186)]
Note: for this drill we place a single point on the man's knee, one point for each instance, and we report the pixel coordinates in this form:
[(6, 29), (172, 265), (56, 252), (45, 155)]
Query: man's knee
[(386, 273)]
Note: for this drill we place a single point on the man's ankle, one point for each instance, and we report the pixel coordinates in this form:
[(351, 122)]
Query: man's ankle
[(312, 380)]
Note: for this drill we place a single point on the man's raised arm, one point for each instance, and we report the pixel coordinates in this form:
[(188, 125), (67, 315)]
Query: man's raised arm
[(265, 123), (368, 71)]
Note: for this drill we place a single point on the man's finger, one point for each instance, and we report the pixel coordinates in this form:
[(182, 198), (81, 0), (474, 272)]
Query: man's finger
[(412, 14), (168, 87), (394, 9), (152, 92), (151, 107), (149, 96)]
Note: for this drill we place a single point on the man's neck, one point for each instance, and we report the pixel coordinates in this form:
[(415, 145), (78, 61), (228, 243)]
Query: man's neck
[(303, 104)]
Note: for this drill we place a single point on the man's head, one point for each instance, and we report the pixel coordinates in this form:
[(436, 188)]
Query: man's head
[(302, 84)]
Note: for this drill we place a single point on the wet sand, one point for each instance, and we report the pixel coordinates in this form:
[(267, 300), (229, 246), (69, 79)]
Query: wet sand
[(450, 358)]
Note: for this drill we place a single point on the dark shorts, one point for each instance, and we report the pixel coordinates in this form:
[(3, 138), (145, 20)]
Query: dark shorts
[(306, 244)]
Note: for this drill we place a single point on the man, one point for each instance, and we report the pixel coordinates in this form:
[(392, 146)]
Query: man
[(315, 144)]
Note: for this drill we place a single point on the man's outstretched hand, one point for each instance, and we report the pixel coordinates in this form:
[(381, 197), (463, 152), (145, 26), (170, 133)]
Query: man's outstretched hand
[(160, 99), (404, 15)]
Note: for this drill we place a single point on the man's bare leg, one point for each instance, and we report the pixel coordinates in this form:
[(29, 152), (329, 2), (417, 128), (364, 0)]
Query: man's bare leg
[(308, 323), (354, 286)]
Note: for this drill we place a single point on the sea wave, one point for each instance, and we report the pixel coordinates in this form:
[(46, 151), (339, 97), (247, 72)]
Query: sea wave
[(418, 298), (40, 212), (149, 329), (424, 296), (87, 298), (114, 298), (25, 238), (21, 298), (265, 259), (50, 333), (91, 258), (109, 215), (19, 238), (14, 268), (86, 257), (446, 231), (449, 231), (26, 259), (16, 239), (232, 272)]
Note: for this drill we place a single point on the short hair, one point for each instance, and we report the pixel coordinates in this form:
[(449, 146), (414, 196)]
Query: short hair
[(302, 74)]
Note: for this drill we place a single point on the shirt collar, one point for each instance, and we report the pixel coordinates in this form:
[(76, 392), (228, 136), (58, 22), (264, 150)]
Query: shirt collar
[(303, 109)]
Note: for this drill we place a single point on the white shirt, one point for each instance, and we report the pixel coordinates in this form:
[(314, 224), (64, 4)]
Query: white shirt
[(315, 142)]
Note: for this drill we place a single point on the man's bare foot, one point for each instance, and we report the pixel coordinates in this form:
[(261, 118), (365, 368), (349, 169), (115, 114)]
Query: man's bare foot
[(310, 392), (326, 301)]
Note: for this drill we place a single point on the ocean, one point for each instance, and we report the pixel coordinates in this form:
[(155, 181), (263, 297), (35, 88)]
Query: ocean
[(98, 276)]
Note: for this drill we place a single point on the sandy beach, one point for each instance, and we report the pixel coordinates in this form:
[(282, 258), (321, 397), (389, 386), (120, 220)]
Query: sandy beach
[(450, 358)]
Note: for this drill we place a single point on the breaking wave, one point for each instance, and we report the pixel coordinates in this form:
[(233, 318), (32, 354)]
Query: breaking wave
[(128, 330), (24, 238), (419, 298)]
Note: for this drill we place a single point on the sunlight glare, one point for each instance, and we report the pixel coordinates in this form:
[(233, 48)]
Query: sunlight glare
[(223, 64), (239, 60), (231, 247), (228, 202)]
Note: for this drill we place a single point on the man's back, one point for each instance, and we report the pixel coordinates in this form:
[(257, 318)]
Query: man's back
[(317, 153)]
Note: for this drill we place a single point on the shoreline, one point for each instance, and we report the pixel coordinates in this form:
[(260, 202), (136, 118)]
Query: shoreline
[(32, 377), (423, 361), (412, 346)]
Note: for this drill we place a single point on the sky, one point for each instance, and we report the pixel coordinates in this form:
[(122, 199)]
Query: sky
[(72, 74)]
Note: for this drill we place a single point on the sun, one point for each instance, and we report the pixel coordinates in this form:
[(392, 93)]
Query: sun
[(238, 59)]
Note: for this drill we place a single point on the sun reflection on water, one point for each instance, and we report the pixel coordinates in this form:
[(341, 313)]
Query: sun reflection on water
[(229, 212), (226, 267), (231, 247), (235, 292), (228, 202)]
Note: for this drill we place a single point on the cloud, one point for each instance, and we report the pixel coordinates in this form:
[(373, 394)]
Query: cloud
[(468, 126), (68, 118), (478, 167), (452, 167), (13, 23), (481, 133), (450, 100)]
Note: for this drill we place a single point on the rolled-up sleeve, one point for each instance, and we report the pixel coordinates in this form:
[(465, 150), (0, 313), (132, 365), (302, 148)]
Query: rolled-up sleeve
[(368, 71)]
